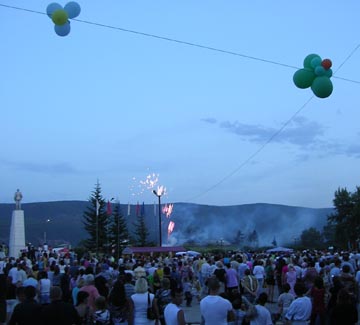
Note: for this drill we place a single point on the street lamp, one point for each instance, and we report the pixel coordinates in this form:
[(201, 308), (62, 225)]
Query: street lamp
[(159, 193), (46, 221)]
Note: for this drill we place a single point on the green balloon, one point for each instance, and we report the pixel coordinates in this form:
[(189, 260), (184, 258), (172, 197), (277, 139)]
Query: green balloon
[(322, 87), (308, 59), (304, 78), (328, 73), (60, 17)]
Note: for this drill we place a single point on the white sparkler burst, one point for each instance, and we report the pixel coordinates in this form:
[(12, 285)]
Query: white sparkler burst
[(161, 190), (150, 181), (139, 187)]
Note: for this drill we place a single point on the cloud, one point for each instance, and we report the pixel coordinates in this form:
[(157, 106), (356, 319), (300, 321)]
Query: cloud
[(209, 120), (57, 168), (300, 132), (304, 134)]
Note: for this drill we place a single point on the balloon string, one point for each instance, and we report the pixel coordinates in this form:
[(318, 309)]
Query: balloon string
[(169, 39)]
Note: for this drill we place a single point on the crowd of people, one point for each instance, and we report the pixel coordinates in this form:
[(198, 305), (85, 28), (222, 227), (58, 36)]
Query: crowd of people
[(236, 288)]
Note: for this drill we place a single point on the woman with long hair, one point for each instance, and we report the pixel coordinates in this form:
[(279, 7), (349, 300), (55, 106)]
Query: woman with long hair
[(119, 304), (83, 309)]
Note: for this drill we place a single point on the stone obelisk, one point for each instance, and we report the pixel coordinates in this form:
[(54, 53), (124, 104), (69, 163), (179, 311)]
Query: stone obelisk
[(17, 229)]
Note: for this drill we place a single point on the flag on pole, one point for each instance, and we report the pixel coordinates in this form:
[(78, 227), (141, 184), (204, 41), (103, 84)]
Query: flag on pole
[(128, 213), (97, 207), (142, 209), (108, 209), (137, 209)]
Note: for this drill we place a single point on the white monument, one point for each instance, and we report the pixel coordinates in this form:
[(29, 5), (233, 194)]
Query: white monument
[(17, 229)]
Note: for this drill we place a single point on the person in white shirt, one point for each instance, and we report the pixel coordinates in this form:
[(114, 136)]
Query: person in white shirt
[(259, 273), (173, 313), (299, 311), (214, 309)]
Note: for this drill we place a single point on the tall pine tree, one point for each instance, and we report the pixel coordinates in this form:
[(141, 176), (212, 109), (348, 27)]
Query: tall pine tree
[(141, 233), (119, 235), (96, 221)]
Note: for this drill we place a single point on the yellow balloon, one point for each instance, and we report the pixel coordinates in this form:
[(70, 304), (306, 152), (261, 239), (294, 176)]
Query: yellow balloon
[(59, 17)]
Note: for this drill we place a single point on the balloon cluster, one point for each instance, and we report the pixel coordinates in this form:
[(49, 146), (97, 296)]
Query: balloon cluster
[(315, 74), (60, 16)]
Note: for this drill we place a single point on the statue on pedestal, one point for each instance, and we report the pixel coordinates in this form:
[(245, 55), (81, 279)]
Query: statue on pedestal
[(18, 197)]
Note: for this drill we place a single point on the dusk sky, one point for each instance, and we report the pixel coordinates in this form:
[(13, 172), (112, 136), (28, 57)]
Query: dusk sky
[(109, 105)]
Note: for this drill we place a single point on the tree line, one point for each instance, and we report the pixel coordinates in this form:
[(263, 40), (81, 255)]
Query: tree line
[(107, 228), (108, 232), (342, 230)]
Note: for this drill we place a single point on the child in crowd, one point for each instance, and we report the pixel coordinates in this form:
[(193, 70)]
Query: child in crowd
[(187, 287), (102, 314), (196, 288)]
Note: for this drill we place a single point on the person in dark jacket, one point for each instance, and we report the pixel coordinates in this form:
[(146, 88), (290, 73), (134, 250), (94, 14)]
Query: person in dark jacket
[(59, 312), (28, 311)]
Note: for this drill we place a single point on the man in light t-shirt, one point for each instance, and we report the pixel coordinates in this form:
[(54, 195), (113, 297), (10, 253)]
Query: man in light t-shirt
[(215, 310)]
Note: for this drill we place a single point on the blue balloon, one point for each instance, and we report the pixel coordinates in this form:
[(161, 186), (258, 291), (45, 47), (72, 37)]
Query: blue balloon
[(62, 30), (73, 9), (320, 70), (316, 61), (52, 7)]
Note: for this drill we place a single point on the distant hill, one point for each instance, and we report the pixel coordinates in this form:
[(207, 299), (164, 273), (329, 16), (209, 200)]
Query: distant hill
[(61, 222)]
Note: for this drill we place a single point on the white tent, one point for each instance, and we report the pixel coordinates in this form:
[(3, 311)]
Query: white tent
[(189, 253), (279, 250)]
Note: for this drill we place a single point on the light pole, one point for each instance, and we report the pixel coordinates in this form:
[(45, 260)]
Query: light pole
[(159, 193), (46, 221)]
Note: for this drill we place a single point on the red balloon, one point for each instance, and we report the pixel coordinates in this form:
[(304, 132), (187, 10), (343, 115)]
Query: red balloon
[(326, 63)]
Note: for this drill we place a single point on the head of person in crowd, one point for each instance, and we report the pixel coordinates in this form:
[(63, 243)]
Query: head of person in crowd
[(213, 285), (345, 269), (117, 296), (319, 282), (30, 292), (286, 287), (299, 289), (100, 303), (141, 285), (20, 294), (219, 264), (89, 279), (128, 278), (82, 298), (177, 296), (167, 271), (263, 297)]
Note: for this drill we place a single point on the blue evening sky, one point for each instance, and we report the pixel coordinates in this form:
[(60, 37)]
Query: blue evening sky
[(103, 104)]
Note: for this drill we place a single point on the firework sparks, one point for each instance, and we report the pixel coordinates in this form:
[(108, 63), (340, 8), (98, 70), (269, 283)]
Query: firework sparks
[(171, 227), (161, 190), (150, 181), (168, 209), (139, 187)]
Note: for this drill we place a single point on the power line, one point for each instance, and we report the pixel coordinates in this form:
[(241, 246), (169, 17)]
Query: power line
[(275, 134), (169, 39), (254, 154), (224, 52)]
